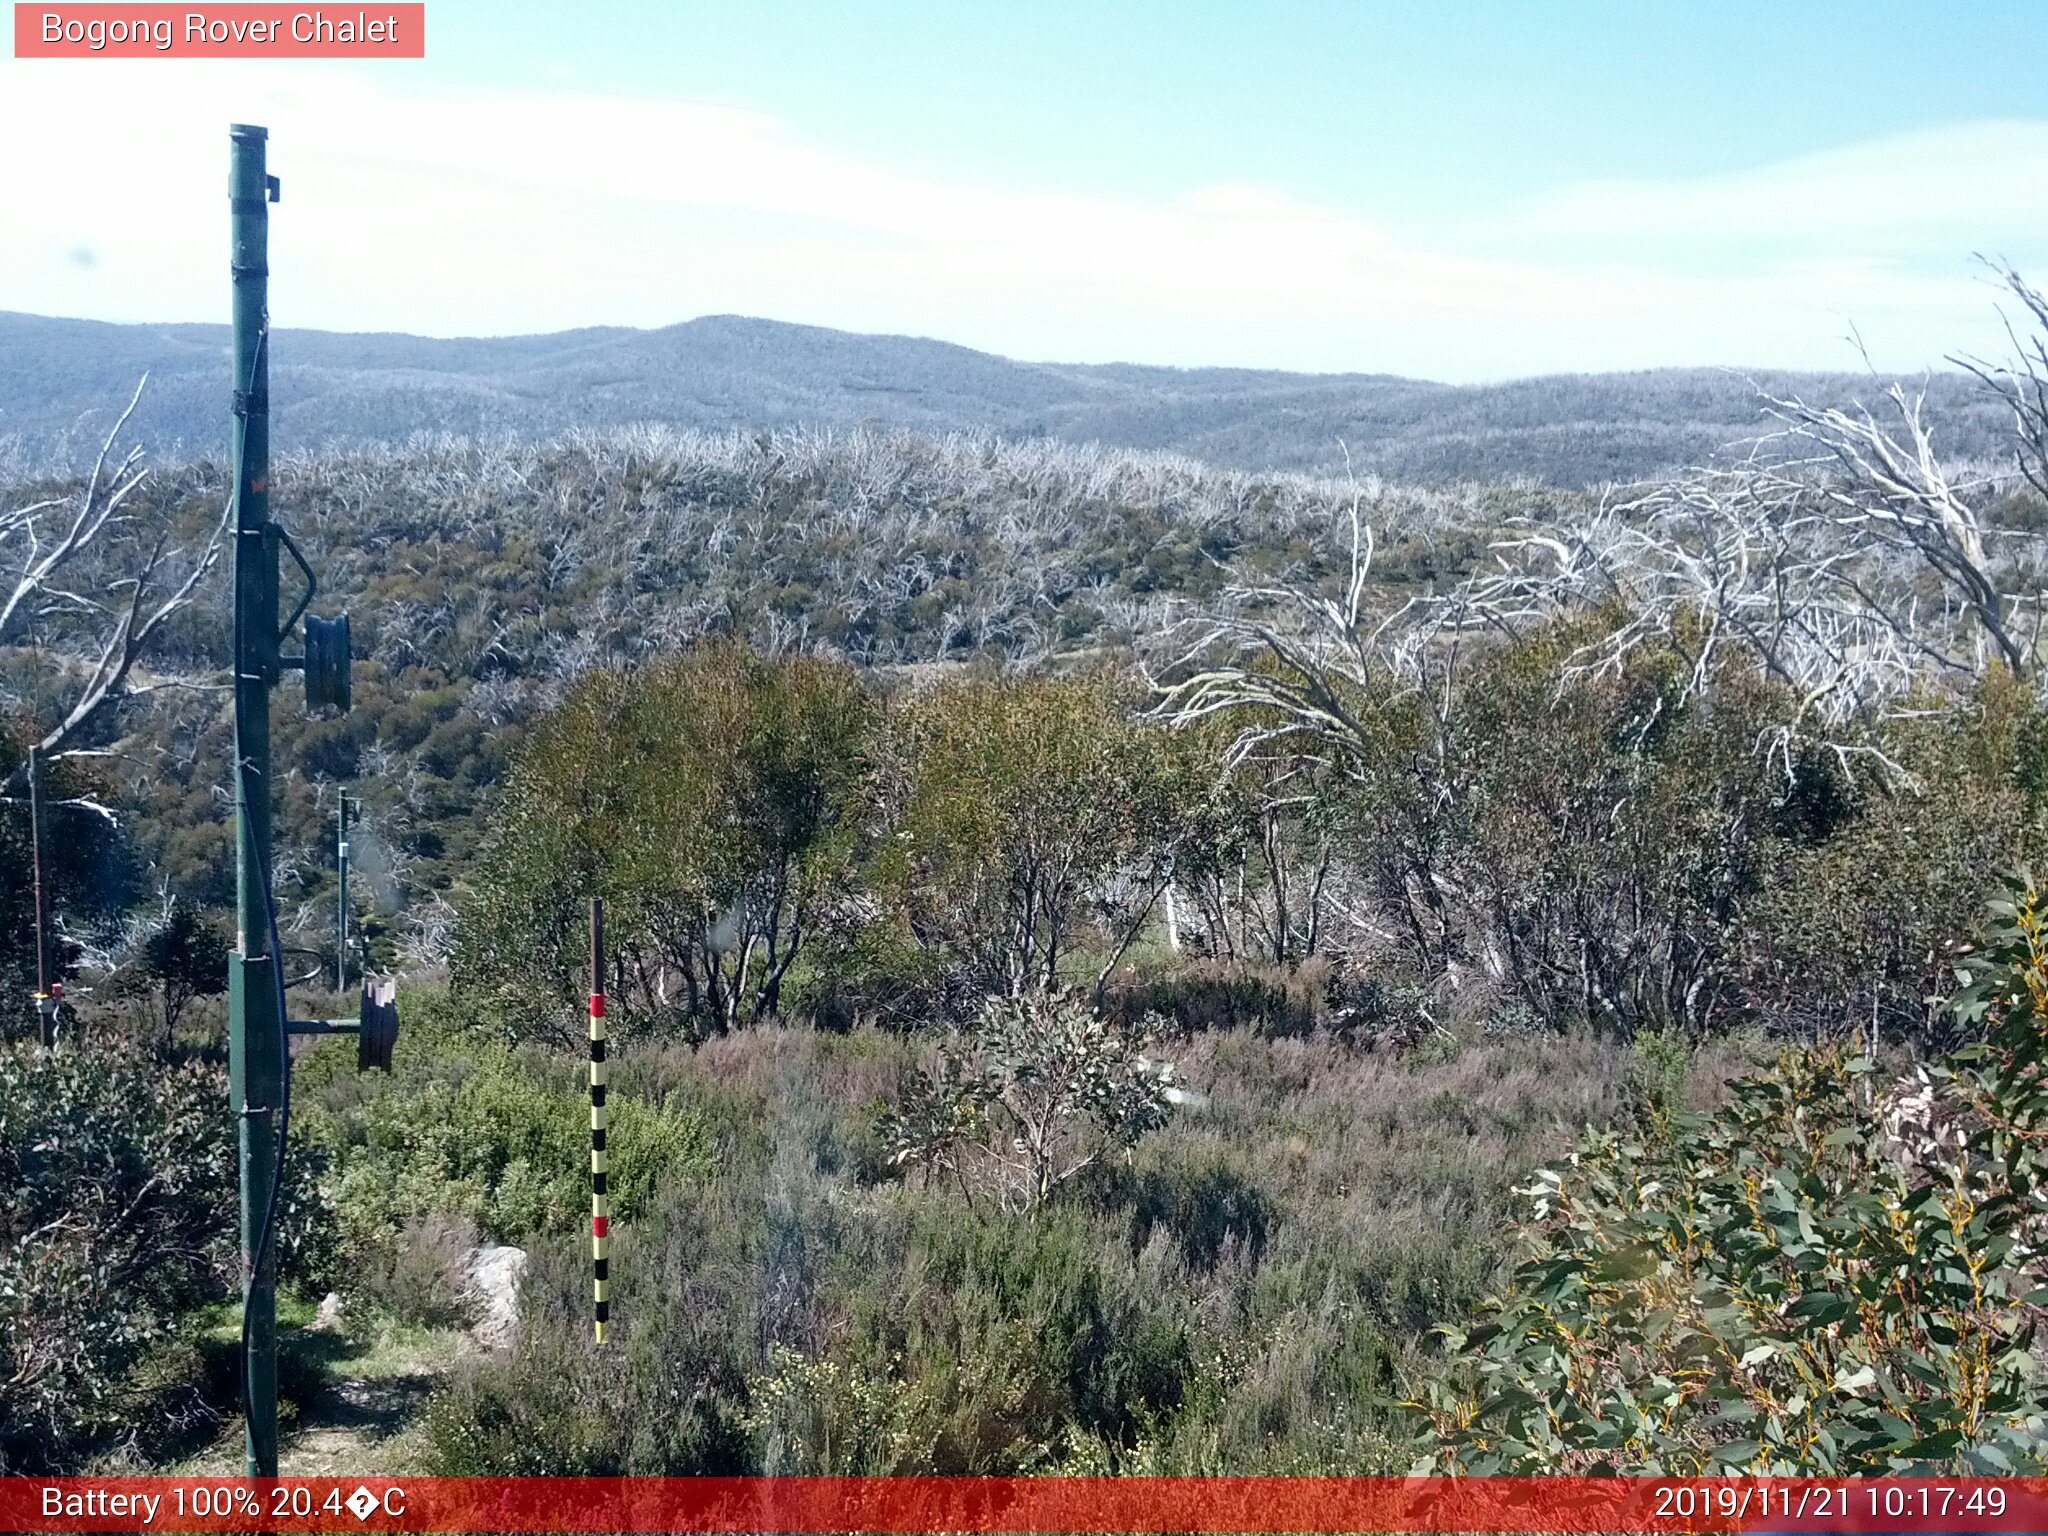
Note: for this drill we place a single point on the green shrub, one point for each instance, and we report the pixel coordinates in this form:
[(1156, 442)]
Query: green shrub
[(1271, 999), (664, 1396), (469, 1140), (117, 1224), (495, 1136), (1659, 1063), (1018, 1341), (1205, 1206), (1774, 1287), (834, 1418), (1033, 1094), (1854, 931)]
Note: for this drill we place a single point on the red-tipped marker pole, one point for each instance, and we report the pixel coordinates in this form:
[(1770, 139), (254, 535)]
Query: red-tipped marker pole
[(600, 1201)]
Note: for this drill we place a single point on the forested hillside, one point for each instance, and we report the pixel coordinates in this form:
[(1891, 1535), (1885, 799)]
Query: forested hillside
[(1108, 956), (482, 579), (60, 379)]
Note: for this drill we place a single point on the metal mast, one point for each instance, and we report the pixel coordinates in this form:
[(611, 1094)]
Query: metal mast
[(259, 1056), (256, 1042)]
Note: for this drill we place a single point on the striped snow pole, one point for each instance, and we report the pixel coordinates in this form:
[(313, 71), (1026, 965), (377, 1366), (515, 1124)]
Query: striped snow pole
[(600, 1201)]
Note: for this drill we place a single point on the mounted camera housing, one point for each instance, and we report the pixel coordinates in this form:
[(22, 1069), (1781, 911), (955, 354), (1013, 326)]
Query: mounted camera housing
[(328, 658), (377, 1030), (375, 1025)]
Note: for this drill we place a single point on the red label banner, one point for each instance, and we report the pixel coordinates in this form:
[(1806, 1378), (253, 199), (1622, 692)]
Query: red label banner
[(104, 31), (1032, 1504)]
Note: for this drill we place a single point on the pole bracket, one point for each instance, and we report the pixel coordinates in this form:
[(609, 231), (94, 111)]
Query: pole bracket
[(375, 1027), (312, 582)]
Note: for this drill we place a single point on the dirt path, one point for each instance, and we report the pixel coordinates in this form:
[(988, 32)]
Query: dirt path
[(366, 1416), (361, 1426)]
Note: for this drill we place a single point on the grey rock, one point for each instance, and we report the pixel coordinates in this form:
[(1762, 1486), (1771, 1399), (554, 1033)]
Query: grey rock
[(494, 1272)]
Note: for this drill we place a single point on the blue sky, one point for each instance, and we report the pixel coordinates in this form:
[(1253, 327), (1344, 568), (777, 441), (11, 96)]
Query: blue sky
[(1458, 190), (1411, 107)]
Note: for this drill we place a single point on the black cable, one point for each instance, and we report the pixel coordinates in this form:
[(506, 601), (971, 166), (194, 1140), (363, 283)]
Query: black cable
[(284, 1117)]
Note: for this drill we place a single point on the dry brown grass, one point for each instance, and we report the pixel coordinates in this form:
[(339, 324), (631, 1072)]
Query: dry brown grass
[(1248, 1290)]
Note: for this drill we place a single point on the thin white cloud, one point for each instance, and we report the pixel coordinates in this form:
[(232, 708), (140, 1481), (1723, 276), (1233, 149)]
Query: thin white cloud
[(487, 212), (1906, 194)]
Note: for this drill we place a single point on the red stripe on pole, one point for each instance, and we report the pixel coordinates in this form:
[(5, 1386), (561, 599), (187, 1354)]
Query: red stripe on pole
[(597, 1005)]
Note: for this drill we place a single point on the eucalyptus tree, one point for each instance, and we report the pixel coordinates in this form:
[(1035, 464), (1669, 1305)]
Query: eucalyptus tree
[(712, 800), (1038, 824)]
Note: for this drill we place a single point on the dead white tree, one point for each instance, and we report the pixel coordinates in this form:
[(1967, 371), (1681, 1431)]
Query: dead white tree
[(1844, 556), (1343, 683), (1711, 567), (2021, 381), (1294, 663), (56, 550), (1914, 524)]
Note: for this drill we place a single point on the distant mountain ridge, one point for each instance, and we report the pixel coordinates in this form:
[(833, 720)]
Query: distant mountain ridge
[(61, 381)]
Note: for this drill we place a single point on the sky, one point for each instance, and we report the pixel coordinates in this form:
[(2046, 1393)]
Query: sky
[(1450, 189)]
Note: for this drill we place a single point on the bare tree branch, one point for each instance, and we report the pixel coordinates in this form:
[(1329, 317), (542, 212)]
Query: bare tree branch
[(159, 580)]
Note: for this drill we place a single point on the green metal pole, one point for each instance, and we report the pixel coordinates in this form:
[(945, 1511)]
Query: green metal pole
[(256, 1063)]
